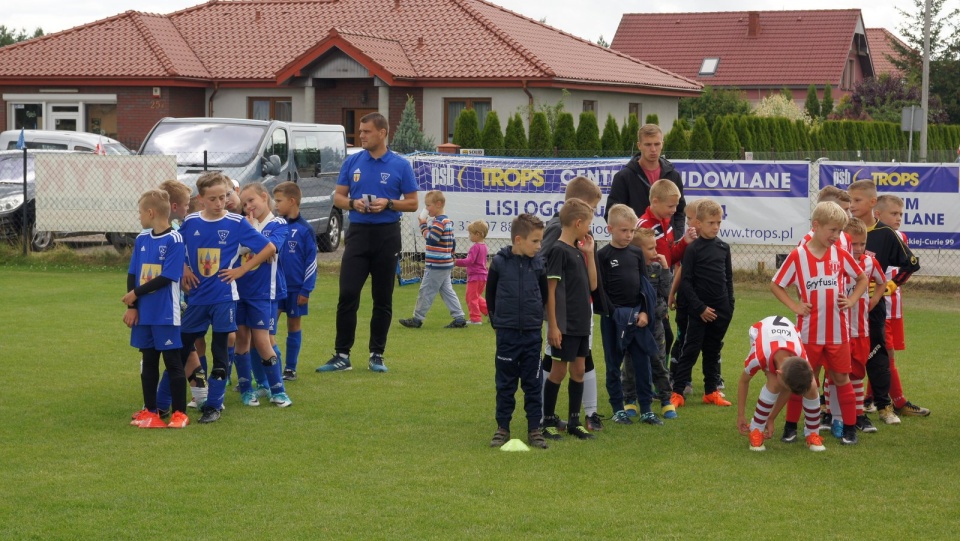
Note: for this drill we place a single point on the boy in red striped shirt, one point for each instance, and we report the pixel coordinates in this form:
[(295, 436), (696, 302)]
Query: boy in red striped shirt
[(816, 270)]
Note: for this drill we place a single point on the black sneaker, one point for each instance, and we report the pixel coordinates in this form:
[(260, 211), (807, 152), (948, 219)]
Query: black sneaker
[(549, 428), (789, 434), (376, 363), (412, 323), (163, 413), (210, 415), (651, 418), (826, 420), (289, 375), (579, 432), (849, 435), (501, 436), (864, 425), (594, 423), (455, 324), (535, 439)]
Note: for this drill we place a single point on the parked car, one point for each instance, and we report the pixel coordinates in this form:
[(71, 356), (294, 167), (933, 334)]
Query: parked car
[(270, 152), (62, 140), (11, 200)]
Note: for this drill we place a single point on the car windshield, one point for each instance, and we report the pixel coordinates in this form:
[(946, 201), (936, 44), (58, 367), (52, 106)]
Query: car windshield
[(226, 144), (11, 168)]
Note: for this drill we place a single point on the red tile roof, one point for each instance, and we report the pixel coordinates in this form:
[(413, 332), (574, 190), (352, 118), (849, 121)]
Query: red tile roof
[(880, 40), (267, 41), (791, 48)]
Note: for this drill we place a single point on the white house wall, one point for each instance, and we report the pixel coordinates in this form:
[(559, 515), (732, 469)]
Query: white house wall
[(232, 102)]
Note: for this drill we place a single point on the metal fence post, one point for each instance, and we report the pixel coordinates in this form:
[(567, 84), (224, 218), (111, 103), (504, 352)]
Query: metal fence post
[(23, 225)]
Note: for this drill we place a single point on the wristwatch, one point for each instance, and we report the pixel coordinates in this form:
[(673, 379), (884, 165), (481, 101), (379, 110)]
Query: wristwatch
[(389, 204), (350, 203)]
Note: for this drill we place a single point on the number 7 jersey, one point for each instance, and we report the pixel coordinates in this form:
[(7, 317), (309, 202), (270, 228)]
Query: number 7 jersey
[(768, 336)]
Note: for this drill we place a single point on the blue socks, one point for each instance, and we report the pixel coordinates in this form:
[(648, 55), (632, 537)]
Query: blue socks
[(163, 392), (203, 364), (275, 377), (242, 362), (217, 388), (256, 366), (294, 340)]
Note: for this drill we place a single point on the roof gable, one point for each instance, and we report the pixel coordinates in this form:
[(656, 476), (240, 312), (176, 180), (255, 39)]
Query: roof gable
[(789, 47), (881, 40)]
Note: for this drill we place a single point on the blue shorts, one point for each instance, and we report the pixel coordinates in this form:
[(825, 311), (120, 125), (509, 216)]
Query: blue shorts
[(274, 316), (158, 337), (255, 313), (290, 307), (198, 318)]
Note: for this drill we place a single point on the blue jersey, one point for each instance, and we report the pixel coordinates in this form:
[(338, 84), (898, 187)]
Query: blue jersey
[(389, 176), (298, 257), (158, 256), (265, 281), (213, 245)]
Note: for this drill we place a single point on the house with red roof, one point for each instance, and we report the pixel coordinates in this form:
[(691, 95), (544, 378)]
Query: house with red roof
[(758, 52), (881, 45), (324, 61)]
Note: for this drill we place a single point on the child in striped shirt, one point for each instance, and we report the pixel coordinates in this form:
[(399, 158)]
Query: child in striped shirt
[(438, 232)]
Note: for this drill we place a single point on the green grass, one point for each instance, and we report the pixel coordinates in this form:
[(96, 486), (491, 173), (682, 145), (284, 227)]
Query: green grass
[(404, 455)]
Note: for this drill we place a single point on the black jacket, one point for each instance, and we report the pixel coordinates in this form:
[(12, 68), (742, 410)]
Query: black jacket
[(631, 187), (707, 278), (516, 291)]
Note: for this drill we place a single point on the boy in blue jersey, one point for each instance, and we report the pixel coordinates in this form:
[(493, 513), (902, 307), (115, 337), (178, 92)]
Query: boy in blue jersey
[(213, 238), (153, 308), (256, 309), (298, 259)]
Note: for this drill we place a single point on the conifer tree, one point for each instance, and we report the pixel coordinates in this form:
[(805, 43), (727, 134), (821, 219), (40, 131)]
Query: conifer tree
[(492, 136), (588, 134)]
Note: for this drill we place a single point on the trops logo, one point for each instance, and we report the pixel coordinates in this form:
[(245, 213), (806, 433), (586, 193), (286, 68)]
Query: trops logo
[(843, 177)]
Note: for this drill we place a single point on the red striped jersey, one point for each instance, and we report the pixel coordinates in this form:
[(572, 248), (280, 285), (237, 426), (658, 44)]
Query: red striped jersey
[(860, 312), (894, 306), (842, 242), (819, 283), (768, 336)]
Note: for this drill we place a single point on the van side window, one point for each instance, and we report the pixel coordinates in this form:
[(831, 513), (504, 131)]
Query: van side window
[(279, 146), (43, 146), (333, 149), (306, 152)]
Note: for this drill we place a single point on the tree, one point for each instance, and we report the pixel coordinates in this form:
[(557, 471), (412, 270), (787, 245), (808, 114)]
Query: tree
[(552, 111), (675, 143), (588, 134), (778, 106), (712, 103), (602, 42), (826, 105), (727, 145), (10, 36), (701, 142), (787, 93), (492, 136), (515, 140), (565, 136), (743, 132), (652, 119), (883, 99), (628, 137), (541, 143), (610, 142), (466, 129), (812, 105), (409, 137)]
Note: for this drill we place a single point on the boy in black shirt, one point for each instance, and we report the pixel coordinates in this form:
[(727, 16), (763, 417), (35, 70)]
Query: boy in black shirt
[(571, 276), (628, 327), (706, 289)]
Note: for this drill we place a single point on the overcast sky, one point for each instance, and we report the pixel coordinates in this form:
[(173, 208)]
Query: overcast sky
[(587, 19)]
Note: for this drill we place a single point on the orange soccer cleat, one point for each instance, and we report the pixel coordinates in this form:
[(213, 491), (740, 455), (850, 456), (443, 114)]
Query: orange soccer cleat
[(756, 440), (178, 420), (152, 420), (715, 398), (677, 400), (815, 442)]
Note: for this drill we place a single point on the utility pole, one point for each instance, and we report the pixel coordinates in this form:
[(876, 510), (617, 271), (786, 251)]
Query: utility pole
[(925, 90)]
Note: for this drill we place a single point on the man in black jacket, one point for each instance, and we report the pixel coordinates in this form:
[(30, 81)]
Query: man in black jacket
[(631, 185)]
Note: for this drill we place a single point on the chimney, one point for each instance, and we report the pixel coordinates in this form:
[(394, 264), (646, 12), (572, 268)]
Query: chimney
[(753, 24), (257, 15)]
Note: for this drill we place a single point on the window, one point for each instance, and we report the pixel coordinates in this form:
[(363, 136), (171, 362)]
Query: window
[(590, 106), (28, 116), (452, 107), (709, 66), (636, 109), (317, 152), (270, 108), (278, 146), (101, 118)]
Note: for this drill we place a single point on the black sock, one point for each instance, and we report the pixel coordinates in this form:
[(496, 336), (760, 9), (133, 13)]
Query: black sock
[(575, 391), (550, 392), (789, 424)]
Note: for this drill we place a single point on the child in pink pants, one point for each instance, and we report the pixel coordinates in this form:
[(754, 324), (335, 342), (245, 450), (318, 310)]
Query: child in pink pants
[(476, 264)]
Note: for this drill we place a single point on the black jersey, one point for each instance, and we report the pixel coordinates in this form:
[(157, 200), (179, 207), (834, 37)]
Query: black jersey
[(891, 251), (566, 264), (621, 270)]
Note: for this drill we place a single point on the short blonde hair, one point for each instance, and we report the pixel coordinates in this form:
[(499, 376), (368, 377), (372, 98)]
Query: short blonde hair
[(888, 201), (179, 192), (866, 186), (691, 207), (646, 233), (855, 226), (582, 188), (157, 200), (573, 210), (663, 190), (479, 227), (648, 130), (435, 196), (830, 213), (290, 190), (832, 193), (211, 179), (258, 187), (621, 213), (709, 208)]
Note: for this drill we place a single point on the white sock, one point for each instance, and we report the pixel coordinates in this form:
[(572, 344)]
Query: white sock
[(590, 392)]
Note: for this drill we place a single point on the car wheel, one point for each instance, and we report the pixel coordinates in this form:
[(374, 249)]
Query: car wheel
[(330, 241), (40, 240)]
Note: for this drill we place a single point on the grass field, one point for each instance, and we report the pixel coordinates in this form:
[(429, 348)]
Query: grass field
[(405, 455)]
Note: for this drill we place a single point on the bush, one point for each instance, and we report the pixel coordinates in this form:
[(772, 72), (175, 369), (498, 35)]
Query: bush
[(466, 129), (515, 140), (409, 137), (727, 146), (652, 119), (541, 143), (675, 143), (701, 142), (492, 137), (812, 105), (628, 137), (610, 142), (565, 136), (588, 134)]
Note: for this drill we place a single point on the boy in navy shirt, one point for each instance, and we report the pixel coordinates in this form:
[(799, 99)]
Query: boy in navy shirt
[(213, 237), (153, 308), (298, 259)]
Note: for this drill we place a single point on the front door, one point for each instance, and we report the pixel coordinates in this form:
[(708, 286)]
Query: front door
[(351, 123), (64, 117)]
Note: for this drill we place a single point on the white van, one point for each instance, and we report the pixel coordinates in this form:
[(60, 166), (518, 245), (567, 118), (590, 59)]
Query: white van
[(62, 140)]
